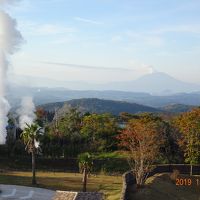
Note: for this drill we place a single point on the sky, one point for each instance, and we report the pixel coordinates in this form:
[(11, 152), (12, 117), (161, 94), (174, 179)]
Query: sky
[(107, 40)]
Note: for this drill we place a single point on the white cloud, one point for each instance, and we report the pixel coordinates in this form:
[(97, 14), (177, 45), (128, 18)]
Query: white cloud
[(22, 6), (191, 28), (52, 29), (154, 41), (156, 37), (88, 67), (33, 28), (8, 1), (116, 38), (63, 40), (87, 20), (145, 39)]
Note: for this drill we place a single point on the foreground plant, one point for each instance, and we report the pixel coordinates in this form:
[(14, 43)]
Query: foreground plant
[(85, 165), (30, 137)]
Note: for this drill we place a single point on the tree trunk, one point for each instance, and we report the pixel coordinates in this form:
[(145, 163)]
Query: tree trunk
[(84, 180), (33, 167), (191, 170)]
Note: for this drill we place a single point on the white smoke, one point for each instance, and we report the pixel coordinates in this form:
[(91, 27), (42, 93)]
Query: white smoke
[(26, 112), (37, 144), (27, 115), (5, 107), (10, 38), (151, 70), (2, 2)]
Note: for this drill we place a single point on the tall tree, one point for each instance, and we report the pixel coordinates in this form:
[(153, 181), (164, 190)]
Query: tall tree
[(189, 126), (30, 136), (143, 139)]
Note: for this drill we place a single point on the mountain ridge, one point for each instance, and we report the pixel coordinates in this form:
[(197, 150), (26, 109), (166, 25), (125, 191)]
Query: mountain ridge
[(95, 105), (48, 95), (157, 83)]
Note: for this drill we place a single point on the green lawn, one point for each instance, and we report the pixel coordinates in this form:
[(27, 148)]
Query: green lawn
[(110, 185)]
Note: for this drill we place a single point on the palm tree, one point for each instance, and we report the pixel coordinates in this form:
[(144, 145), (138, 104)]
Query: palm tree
[(30, 136), (85, 165)]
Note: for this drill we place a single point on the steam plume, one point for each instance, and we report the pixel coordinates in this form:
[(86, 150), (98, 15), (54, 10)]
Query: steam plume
[(26, 112), (10, 38), (2, 2), (151, 70)]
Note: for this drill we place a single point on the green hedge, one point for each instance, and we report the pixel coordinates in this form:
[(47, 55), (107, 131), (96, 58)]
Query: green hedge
[(111, 165), (108, 166)]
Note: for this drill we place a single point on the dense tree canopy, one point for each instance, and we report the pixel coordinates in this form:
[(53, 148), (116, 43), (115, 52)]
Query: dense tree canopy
[(151, 138), (100, 131)]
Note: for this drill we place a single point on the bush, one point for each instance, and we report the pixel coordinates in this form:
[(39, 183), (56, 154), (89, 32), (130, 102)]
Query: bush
[(111, 166)]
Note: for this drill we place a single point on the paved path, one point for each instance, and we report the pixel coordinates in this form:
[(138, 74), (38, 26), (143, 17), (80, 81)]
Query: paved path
[(63, 195), (14, 192)]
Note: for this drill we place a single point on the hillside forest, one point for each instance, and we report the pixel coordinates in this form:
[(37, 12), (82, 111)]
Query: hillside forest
[(120, 140)]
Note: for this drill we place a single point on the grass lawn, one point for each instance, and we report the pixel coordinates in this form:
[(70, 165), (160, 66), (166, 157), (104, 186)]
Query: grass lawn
[(115, 154), (160, 186), (110, 185)]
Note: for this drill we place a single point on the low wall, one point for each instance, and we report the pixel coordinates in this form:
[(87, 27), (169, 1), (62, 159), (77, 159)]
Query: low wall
[(130, 181)]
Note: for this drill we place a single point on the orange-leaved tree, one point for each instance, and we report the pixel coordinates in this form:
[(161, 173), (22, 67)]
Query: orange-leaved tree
[(143, 139), (189, 140)]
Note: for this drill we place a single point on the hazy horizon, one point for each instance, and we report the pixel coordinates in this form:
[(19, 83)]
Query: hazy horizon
[(107, 40), (145, 84)]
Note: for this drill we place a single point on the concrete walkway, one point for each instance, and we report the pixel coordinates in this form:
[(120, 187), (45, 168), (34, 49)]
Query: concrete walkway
[(14, 192)]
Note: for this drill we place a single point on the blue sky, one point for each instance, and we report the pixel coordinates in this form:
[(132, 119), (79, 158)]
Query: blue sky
[(108, 40)]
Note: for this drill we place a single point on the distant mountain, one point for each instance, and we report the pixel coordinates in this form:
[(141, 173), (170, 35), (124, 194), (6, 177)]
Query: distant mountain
[(156, 83), (177, 108), (51, 95), (44, 95), (94, 105)]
